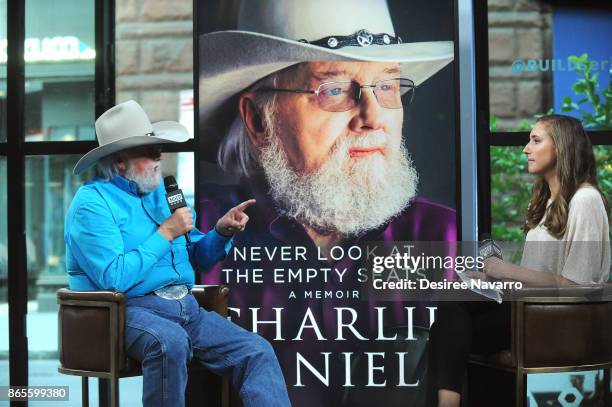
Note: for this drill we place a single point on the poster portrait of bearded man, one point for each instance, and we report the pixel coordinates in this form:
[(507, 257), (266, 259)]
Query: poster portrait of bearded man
[(303, 110)]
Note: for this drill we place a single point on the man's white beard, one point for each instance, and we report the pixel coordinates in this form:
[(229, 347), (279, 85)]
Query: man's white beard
[(148, 180), (345, 195)]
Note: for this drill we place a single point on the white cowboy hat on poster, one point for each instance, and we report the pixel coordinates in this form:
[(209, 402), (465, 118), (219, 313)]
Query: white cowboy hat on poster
[(275, 34)]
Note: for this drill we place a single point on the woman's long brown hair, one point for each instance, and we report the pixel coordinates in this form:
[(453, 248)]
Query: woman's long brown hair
[(575, 166)]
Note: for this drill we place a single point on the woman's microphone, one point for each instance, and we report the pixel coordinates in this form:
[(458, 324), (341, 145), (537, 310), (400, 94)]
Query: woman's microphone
[(488, 248)]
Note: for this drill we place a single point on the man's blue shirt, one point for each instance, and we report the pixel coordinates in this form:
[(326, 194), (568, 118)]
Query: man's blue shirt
[(112, 241)]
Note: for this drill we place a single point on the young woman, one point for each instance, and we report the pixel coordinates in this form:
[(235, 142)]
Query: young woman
[(568, 214), (567, 242)]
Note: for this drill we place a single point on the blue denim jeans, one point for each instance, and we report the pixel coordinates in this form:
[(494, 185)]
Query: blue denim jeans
[(165, 334)]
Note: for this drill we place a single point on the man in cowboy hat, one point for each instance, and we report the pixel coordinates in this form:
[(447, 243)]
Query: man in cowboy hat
[(120, 235)]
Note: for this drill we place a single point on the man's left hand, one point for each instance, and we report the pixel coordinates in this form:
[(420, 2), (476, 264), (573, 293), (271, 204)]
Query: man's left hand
[(234, 220)]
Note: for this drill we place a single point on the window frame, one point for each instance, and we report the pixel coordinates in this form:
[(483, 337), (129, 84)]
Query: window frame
[(485, 139)]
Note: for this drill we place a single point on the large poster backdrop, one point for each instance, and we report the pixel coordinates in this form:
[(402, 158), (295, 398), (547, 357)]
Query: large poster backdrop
[(336, 173)]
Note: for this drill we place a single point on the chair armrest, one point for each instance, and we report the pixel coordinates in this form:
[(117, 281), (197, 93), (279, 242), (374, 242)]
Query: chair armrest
[(212, 297), (64, 294)]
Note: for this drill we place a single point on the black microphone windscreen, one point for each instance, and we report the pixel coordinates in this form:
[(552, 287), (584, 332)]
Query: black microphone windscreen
[(170, 183)]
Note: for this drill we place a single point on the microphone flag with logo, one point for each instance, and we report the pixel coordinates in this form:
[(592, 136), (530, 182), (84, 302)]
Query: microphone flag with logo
[(488, 248), (175, 197)]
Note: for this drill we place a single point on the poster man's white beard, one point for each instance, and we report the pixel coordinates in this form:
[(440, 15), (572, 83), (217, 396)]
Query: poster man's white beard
[(148, 180), (345, 195)]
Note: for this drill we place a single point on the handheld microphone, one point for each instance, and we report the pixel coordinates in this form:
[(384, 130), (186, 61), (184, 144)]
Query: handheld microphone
[(488, 248), (175, 197)]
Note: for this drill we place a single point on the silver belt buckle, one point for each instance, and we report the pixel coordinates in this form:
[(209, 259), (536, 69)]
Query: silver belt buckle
[(172, 292)]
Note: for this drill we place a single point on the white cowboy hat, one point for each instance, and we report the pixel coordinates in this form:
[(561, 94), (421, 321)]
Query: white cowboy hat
[(275, 34), (125, 126)]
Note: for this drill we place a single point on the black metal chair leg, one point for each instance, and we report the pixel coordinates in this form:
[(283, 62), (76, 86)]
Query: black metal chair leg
[(103, 392), (114, 392), (85, 391), (607, 384), (521, 387)]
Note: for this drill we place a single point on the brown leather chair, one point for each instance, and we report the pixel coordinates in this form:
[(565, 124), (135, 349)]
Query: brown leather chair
[(553, 330), (91, 344)]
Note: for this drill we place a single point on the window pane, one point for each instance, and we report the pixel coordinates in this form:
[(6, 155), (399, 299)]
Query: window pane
[(536, 61), (565, 389), (603, 159), (59, 77), (4, 334), (154, 58), (50, 186), (510, 192)]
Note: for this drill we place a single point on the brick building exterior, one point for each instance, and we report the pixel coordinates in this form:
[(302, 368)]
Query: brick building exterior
[(154, 54), (518, 30)]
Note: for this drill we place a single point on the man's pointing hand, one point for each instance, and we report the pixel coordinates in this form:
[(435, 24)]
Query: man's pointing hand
[(234, 220)]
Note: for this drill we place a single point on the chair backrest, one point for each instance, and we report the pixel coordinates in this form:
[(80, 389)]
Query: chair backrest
[(570, 329), (91, 330)]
